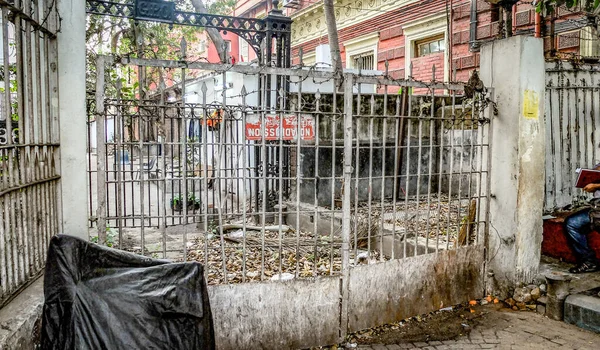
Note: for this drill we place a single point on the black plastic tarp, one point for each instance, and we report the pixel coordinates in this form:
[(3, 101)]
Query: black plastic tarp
[(102, 298)]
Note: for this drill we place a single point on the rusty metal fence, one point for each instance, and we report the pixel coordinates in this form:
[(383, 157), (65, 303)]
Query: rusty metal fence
[(29, 140), (271, 174), (572, 118)]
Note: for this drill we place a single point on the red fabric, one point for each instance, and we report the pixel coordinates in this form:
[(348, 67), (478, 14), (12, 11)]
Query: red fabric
[(555, 240)]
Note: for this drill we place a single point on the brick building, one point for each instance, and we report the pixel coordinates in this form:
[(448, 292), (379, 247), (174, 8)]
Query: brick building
[(424, 33), (421, 33)]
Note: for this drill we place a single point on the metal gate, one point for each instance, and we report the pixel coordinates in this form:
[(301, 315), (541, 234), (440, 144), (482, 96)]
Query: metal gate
[(320, 177), (571, 121), (29, 141)]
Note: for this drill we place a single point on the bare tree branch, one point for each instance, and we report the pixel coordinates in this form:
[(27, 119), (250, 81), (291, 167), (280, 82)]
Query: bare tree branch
[(213, 34), (334, 45)]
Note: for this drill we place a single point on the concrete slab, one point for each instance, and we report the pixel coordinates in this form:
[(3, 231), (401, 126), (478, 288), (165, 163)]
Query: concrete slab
[(579, 282), (397, 289), (20, 320), (583, 311), (297, 314)]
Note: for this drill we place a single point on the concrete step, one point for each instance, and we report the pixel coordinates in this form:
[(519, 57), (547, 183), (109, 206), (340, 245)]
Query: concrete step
[(583, 310)]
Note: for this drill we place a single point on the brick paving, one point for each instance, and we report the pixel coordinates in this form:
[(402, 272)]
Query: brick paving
[(510, 330)]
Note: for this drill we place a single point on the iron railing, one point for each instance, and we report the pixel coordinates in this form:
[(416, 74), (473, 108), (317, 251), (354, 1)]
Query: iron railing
[(306, 183), (571, 120), (29, 141)]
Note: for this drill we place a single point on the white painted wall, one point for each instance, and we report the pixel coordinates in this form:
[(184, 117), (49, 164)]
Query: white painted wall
[(72, 111), (518, 153)]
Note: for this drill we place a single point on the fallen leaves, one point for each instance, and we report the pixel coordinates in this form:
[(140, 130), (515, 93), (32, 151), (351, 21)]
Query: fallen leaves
[(255, 257)]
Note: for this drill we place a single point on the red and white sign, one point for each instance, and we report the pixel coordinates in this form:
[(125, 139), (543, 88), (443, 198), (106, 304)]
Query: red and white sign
[(280, 128)]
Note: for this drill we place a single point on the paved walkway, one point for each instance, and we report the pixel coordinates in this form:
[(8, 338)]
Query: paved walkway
[(504, 329)]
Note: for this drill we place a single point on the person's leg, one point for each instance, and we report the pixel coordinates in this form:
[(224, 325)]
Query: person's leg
[(577, 227)]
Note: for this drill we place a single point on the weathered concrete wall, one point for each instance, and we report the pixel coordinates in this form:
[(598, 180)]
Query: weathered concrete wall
[(518, 152), (276, 315), (72, 111), (20, 319), (300, 313), (398, 289)]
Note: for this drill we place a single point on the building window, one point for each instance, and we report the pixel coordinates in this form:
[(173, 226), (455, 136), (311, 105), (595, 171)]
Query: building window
[(430, 46), (365, 61), (244, 50)]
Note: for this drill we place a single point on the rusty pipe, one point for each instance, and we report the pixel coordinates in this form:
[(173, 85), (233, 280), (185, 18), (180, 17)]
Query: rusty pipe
[(538, 25), (473, 27)]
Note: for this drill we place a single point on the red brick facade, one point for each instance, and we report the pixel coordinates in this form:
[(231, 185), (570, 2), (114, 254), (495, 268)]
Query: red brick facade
[(463, 59)]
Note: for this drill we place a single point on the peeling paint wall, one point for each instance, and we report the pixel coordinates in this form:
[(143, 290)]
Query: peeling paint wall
[(276, 315), (394, 290), (302, 314), (518, 153)]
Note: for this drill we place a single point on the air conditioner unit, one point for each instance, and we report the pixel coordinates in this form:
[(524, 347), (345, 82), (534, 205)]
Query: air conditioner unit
[(294, 4)]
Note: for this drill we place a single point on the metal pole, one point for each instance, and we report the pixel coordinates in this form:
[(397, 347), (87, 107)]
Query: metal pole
[(346, 217), (101, 151)]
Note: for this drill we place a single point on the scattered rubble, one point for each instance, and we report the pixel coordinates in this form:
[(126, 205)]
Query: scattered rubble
[(531, 297)]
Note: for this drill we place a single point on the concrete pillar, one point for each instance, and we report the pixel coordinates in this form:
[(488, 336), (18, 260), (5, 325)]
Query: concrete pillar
[(515, 69), (72, 113)]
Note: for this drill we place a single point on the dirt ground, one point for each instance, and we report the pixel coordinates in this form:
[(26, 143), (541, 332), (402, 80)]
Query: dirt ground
[(438, 325)]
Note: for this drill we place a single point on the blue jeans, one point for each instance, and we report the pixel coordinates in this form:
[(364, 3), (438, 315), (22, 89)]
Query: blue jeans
[(578, 226)]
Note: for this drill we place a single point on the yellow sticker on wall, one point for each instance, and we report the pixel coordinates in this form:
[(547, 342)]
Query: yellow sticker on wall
[(531, 104)]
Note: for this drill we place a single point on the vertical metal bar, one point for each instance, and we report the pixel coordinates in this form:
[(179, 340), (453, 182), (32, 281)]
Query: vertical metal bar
[(299, 180), (417, 223), (32, 159), (317, 119), (4, 262), (245, 167), (440, 170), (263, 162), (550, 198), (101, 150), (408, 158), (384, 142), (205, 171), (14, 275), (186, 194), (471, 226), (570, 156), (141, 133), (356, 187), (397, 150), (371, 166), (7, 80), (488, 192), (480, 144), (118, 160), (163, 168), (431, 123), (7, 167), (219, 177), (451, 171), (345, 185), (346, 214), (21, 223), (38, 80), (593, 110)]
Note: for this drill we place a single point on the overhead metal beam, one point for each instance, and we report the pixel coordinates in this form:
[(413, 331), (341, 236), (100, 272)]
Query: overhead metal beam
[(253, 30)]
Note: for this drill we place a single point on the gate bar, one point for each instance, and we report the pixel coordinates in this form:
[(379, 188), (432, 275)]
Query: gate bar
[(346, 205), (101, 151)]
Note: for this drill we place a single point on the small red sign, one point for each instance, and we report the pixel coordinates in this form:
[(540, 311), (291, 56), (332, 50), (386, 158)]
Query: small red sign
[(280, 128)]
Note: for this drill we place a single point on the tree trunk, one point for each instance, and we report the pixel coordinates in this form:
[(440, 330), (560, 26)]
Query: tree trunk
[(334, 45), (213, 34)]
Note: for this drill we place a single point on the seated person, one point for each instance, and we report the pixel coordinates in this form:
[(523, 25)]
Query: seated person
[(578, 226)]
